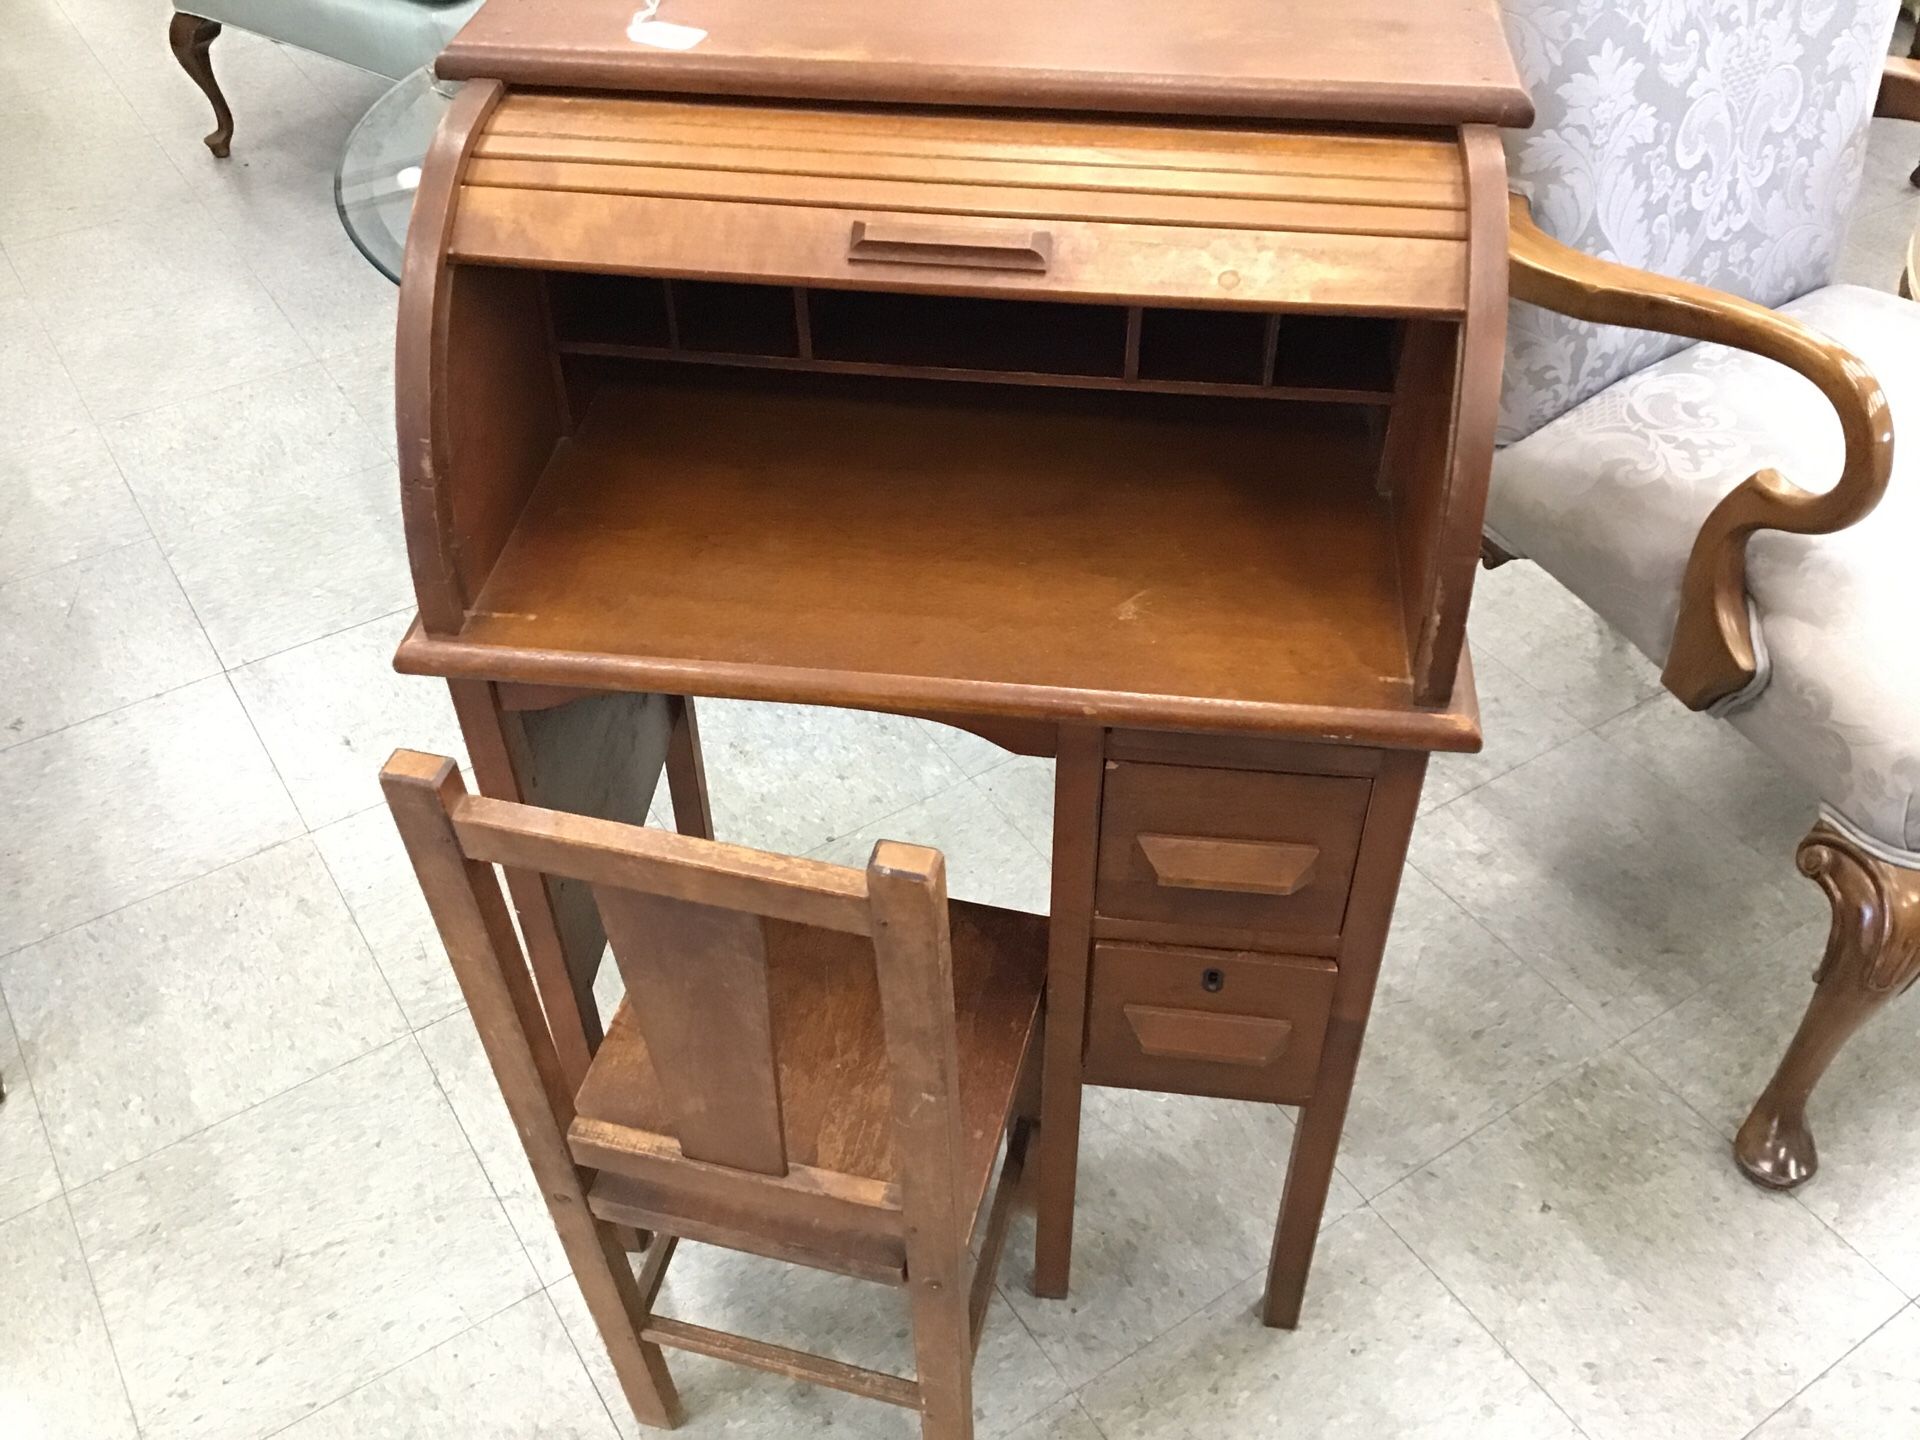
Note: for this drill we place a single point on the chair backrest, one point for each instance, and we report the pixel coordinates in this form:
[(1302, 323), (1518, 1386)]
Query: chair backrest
[(684, 918), (1721, 141)]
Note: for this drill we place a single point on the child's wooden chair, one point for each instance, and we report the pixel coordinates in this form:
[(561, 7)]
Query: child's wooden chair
[(811, 1064)]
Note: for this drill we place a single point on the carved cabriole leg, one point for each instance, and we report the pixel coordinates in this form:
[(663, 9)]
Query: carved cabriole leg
[(191, 37), (1873, 953)]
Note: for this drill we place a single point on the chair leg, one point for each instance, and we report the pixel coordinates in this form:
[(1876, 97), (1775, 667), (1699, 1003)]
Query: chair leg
[(1873, 953), (192, 38), (620, 1303), (943, 1359)]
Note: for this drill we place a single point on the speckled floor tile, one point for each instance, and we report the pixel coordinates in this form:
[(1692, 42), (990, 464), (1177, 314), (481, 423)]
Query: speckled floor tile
[(1176, 1205), (794, 777), (120, 807), (188, 1007), (460, 1065), (93, 636), (370, 866), (513, 1376), (988, 860), (1602, 1235), (268, 1266), (1382, 1349), (1873, 1394), (58, 1380), (27, 1174), (333, 710), (1609, 884), (1461, 1032)]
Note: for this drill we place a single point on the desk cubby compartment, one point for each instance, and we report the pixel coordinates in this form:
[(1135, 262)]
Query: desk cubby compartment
[(1219, 347), (716, 318), (654, 316), (1339, 352), (967, 333), (1249, 353), (623, 311)]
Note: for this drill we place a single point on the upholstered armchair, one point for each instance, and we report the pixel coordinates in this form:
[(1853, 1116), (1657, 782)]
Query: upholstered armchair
[(389, 37), (1755, 534)]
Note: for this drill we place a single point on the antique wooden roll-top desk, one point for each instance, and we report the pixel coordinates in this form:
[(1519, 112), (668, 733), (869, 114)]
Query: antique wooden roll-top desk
[(1114, 379)]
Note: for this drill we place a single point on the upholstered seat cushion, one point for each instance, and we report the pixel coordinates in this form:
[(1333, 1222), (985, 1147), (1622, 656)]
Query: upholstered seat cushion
[(1608, 498), (388, 37)]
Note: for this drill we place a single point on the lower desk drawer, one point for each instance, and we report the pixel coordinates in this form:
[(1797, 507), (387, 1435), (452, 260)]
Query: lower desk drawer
[(1226, 1023)]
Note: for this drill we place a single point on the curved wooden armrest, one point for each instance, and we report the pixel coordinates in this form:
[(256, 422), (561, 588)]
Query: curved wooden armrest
[(1712, 655), (1899, 90)]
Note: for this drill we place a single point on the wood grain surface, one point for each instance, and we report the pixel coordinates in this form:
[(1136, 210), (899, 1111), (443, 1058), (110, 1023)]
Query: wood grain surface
[(1436, 62)]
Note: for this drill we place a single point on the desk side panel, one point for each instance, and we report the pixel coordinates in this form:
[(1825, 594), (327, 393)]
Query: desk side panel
[(478, 399), (1439, 451)]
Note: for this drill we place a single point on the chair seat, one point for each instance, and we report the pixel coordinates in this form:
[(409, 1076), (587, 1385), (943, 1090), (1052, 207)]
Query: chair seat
[(829, 1045), (389, 37), (1608, 499)]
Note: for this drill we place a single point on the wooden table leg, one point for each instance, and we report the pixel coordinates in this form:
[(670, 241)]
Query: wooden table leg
[(687, 772), (1316, 1138), (599, 755), (1078, 773)]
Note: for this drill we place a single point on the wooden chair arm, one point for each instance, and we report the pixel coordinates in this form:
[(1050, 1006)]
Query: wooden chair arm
[(1712, 655), (1899, 90)]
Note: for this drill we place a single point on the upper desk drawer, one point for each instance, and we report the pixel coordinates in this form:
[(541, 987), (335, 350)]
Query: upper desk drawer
[(1267, 857), (906, 200)]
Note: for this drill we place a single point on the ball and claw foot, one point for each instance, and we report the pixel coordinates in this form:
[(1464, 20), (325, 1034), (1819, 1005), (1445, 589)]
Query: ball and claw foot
[(1776, 1151)]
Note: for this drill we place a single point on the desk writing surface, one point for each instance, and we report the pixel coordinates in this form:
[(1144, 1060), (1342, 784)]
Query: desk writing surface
[(991, 550), (1399, 62)]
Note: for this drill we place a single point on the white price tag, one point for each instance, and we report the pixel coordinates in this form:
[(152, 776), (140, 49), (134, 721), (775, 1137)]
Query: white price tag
[(662, 34)]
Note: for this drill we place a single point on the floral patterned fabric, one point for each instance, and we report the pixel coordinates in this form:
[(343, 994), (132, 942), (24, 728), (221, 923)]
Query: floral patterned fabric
[(1717, 140), (1609, 496)]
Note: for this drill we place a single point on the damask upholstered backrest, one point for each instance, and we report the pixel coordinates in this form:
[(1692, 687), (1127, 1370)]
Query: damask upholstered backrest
[(1717, 140)]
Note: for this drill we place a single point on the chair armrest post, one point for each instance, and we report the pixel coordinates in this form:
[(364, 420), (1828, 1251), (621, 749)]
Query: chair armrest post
[(1712, 655)]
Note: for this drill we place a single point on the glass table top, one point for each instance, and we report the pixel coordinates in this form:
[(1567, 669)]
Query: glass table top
[(380, 169)]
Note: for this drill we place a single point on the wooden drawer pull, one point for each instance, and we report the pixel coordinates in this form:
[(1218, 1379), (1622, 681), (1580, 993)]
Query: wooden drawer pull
[(1252, 867), (1200, 1035), (902, 242)]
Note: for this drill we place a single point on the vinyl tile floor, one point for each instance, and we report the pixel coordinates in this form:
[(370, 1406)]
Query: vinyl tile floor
[(255, 1179)]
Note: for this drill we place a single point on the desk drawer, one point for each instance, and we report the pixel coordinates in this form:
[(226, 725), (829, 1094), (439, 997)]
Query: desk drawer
[(1207, 1022), (1257, 853)]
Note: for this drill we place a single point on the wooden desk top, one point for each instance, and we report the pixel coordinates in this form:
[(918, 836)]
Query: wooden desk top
[(1381, 62)]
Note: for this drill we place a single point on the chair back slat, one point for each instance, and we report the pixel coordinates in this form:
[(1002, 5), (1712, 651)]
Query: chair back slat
[(696, 978), (658, 862)]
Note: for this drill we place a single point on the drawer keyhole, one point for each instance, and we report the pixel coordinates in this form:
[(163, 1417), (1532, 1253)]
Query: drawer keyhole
[(1211, 981)]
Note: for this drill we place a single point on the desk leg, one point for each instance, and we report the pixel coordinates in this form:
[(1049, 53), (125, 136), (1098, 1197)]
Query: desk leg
[(1316, 1139), (599, 755), (1078, 773), (687, 771)]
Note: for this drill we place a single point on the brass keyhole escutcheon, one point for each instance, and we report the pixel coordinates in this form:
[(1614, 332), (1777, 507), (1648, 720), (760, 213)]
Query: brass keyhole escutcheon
[(1211, 981)]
